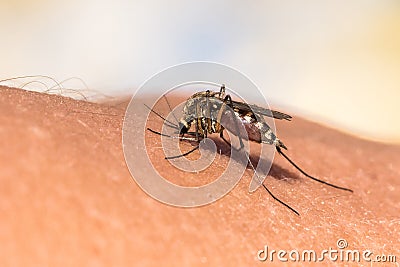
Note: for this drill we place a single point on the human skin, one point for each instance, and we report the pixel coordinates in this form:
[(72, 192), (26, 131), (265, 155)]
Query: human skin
[(68, 199)]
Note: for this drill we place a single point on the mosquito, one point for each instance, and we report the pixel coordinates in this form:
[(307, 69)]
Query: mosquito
[(207, 109)]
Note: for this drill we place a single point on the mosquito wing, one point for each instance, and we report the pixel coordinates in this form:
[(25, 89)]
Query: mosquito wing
[(243, 107)]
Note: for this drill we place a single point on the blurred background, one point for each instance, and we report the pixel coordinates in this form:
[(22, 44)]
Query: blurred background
[(334, 62)]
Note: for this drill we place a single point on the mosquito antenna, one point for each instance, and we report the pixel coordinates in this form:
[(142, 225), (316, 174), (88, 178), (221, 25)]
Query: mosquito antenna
[(168, 123), (269, 192), (173, 114), (309, 176)]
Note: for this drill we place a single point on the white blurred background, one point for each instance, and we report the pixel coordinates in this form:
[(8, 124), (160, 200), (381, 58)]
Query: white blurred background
[(335, 62)]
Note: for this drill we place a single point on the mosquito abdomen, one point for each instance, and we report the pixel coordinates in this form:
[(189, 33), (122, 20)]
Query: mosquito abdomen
[(261, 132)]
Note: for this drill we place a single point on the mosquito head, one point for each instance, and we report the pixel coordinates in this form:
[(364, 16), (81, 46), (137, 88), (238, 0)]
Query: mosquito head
[(183, 127)]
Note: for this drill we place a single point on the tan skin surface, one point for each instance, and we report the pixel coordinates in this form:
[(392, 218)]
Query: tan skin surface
[(67, 198)]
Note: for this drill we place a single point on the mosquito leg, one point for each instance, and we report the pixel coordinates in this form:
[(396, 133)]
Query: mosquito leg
[(272, 195), (184, 154), (221, 134), (309, 176), (208, 114), (229, 100), (174, 137), (196, 118), (280, 201), (197, 131)]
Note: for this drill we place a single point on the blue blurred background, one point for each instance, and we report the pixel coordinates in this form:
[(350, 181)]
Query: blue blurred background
[(335, 62)]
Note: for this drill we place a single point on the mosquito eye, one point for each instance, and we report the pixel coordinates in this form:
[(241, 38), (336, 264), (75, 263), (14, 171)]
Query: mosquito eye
[(182, 128)]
